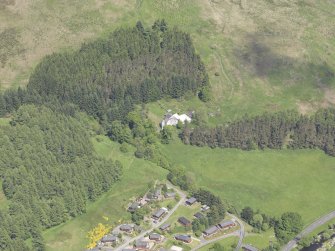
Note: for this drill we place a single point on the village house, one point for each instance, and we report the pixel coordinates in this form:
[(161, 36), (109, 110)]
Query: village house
[(210, 231), (198, 215), (184, 238), (185, 222), (126, 228), (155, 237), (109, 239), (165, 227), (226, 224), (170, 195), (133, 207), (142, 245), (191, 201), (247, 247), (173, 119), (158, 214)]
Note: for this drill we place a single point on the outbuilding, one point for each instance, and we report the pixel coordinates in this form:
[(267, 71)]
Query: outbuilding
[(184, 238)]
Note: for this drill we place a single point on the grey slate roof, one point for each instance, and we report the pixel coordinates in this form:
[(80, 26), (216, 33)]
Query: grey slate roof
[(183, 237), (126, 227), (211, 230), (109, 238), (154, 236), (184, 221), (191, 200), (159, 213), (165, 226), (226, 223), (199, 215)]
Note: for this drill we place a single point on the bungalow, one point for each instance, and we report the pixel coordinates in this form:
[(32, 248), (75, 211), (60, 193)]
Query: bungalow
[(184, 238), (247, 247), (198, 215), (133, 207), (142, 245), (170, 195), (109, 239), (191, 201), (126, 228), (165, 227), (155, 237), (210, 231), (185, 222), (158, 214), (226, 224)]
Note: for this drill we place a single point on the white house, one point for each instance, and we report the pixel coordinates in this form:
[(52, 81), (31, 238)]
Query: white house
[(173, 119)]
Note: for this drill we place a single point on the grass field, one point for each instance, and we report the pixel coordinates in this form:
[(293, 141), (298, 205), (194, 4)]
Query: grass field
[(272, 181), (269, 55), (262, 240), (229, 244), (71, 236)]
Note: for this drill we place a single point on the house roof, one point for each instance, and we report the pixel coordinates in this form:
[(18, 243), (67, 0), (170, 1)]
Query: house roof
[(199, 215), (184, 221), (154, 236), (191, 200), (211, 230), (176, 248), (126, 227), (249, 247), (226, 223), (170, 194), (134, 205), (159, 213), (183, 237), (164, 226), (109, 238), (141, 243)]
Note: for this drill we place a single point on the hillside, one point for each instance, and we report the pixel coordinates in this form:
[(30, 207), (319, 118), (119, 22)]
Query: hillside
[(268, 55)]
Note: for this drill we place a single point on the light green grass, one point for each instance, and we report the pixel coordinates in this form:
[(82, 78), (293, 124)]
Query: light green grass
[(137, 174), (228, 243), (272, 181), (262, 240)]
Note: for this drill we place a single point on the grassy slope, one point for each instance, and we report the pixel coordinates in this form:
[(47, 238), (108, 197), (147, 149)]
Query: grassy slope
[(272, 181), (137, 174), (270, 55), (228, 244)]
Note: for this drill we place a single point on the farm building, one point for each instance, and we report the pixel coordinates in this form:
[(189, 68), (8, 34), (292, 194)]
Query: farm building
[(225, 224), (109, 239), (184, 238), (191, 201), (173, 119), (126, 228), (155, 237), (198, 215), (247, 247), (158, 214), (210, 231), (185, 222), (165, 227)]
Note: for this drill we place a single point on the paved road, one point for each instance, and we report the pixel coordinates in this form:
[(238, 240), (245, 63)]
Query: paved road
[(130, 241), (289, 246), (241, 232), (205, 243)]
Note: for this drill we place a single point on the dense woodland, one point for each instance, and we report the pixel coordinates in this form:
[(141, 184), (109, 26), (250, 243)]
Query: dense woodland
[(276, 131), (49, 171), (107, 77)]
